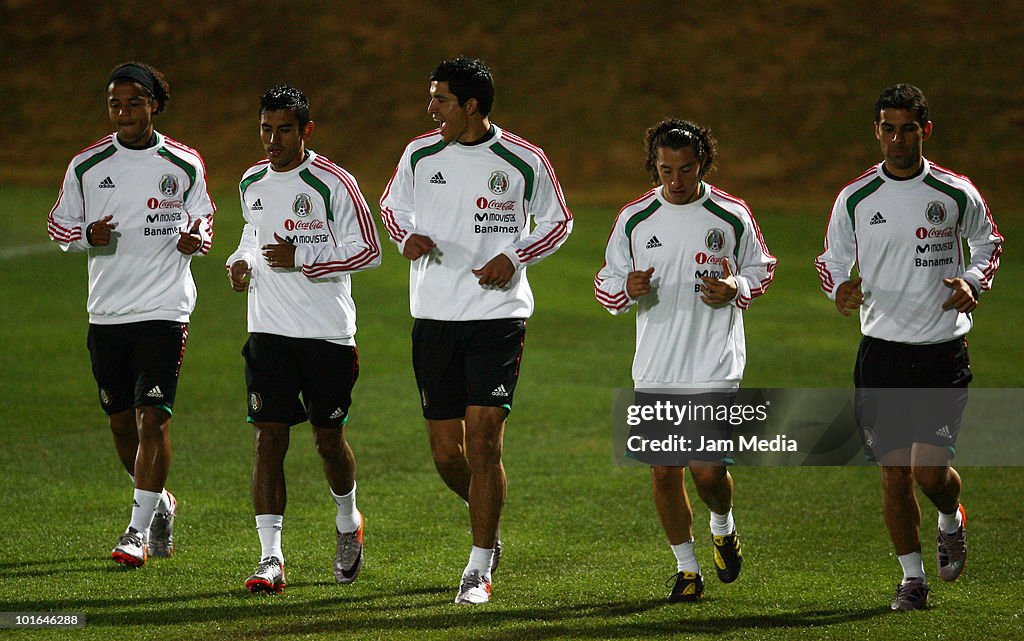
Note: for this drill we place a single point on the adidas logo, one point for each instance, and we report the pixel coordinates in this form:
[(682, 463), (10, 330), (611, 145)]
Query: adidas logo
[(943, 432), (155, 393), (337, 414), (135, 503), (107, 183), (500, 391), (438, 179), (653, 242), (257, 206), (877, 219)]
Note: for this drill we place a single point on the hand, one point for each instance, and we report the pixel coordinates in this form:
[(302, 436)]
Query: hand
[(239, 274), (98, 233), (719, 291), (498, 272), (190, 241), (962, 299), (849, 296), (281, 254), (639, 283), (417, 245)]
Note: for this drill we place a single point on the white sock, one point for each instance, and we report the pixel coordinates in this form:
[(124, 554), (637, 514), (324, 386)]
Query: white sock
[(722, 524), (950, 523), (480, 560), (143, 506), (686, 560), (348, 518), (268, 526), (913, 566)]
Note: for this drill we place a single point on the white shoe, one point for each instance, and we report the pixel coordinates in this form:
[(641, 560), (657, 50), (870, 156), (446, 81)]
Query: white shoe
[(474, 589), (130, 549), (348, 553), (268, 577)]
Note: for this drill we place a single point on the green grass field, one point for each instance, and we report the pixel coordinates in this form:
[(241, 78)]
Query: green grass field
[(585, 557)]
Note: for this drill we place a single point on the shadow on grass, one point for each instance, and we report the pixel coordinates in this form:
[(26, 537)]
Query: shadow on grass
[(428, 609)]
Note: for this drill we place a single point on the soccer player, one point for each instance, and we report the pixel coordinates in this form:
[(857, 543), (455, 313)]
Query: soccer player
[(458, 207), (307, 227), (136, 202), (901, 222), (691, 258)]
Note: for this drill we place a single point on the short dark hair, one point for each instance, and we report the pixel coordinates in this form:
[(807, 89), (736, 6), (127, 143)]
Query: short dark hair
[(467, 78), (286, 97), (161, 89), (679, 134), (903, 96)]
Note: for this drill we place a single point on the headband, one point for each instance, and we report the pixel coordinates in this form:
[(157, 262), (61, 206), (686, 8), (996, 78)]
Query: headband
[(135, 73)]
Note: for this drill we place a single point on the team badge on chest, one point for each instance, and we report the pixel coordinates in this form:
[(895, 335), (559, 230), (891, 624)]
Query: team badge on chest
[(168, 185), (302, 206), (715, 240), (498, 182), (935, 213)]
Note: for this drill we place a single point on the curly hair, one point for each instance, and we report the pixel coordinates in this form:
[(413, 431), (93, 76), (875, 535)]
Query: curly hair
[(679, 134)]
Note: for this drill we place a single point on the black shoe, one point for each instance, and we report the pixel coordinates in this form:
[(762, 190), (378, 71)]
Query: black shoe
[(728, 556), (689, 586)]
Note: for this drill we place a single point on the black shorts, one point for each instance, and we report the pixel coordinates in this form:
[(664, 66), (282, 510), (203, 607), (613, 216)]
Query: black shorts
[(137, 364), (910, 394), (698, 429), (463, 363), (279, 368)]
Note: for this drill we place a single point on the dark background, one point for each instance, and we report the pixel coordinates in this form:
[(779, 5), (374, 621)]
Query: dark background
[(788, 87)]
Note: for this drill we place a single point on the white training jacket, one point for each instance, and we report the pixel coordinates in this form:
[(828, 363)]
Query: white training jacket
[(680, 341)]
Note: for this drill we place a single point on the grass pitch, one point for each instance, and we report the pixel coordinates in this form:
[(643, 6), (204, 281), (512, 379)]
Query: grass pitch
[(585, 557)]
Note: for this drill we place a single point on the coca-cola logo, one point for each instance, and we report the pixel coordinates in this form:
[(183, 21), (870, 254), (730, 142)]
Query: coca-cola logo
[(496, 205), (303, 225), (703, 259), (153, 203), (924, 232)]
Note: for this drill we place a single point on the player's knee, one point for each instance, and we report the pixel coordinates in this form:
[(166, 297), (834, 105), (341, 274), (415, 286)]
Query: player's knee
[(154, 422), (483, 448), (666, 476), (271, 440), (931, 478), (897, 479), (328, 443), (447, 451), (708, 476), (124, 423)]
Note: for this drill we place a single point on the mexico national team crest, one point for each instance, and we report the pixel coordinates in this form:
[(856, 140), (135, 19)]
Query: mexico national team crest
[(936, 213), (255, 402), (498, 182), (105, 399), (302, 205), (715, 240), (169, 185)]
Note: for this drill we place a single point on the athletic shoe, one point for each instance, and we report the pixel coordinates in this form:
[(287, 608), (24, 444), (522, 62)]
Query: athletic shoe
[(474, 589), (268, 577), (728, 556), (689, 586), (130, 549), (161, 532), (912, 594), (496, 557), (348, 553), (951, 553)]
